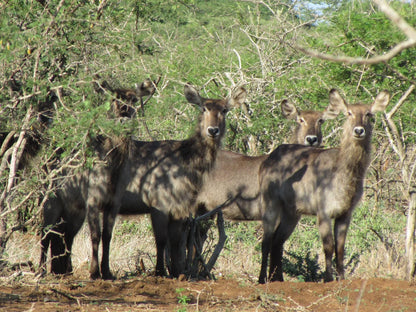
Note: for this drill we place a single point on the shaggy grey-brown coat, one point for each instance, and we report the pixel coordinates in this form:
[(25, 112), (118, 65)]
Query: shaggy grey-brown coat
[(163, 178), (235, 176), (328, 183), (134, 177)]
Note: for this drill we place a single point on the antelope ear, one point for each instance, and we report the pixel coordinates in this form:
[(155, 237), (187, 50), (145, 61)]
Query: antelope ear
[(330, 112), (381, 102), (336, 103), (289, 110), (237, 98), (192, 95)]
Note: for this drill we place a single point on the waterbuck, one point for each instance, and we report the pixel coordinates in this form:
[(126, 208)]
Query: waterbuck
[(160, 177), (328, 183), (63, 215), (124, 104), (64, 212), (235, 176), (163, 178)]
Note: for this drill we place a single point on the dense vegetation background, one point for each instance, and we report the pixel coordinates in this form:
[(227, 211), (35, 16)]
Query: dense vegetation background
[(53, 54)]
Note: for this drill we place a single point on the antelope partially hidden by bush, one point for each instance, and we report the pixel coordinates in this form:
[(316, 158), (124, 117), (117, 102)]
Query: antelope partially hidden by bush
[(163, 178), (328, 183), (234, 177), (64, 212), (124, 104), (159, 177)]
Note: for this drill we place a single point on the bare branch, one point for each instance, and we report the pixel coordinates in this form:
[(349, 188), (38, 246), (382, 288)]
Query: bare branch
[(396, 107), (396, 19), (6, 141), (18, 206), (18, 150), (359, 60), (398, 148), (391, 130)]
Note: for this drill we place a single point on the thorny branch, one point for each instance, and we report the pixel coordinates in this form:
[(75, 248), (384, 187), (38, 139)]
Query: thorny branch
[(396, 19)]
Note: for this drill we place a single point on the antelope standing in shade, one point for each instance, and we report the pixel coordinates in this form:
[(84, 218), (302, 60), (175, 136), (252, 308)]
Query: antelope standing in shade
[(235, 176), (124, 104), (64, 212), (328, 183), (161, 178)]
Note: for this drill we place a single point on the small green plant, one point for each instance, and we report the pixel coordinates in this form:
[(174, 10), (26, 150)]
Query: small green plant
[(183, 299), (303, 266), (342, 300), (128, 227)]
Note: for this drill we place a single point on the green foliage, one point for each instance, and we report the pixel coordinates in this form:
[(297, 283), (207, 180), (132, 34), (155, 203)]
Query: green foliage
[(162, 11), (304, 267), (50, 55), (129, 227), (372, 222), (183, 299), (362, 32), (247, 232)]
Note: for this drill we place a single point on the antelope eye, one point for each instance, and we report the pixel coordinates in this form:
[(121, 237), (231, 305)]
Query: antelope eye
[(321, 121), (349, 113), (301, 120), (204, 109), (225, 110)]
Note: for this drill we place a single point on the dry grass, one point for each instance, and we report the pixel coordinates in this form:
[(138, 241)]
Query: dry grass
[(240, 259)]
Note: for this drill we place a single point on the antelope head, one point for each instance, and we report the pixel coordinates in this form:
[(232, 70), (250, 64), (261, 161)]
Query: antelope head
[(213, 111), (309, 129), (360, 116)]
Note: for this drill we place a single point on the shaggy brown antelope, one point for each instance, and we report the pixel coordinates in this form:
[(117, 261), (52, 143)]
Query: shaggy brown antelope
[(160, 177), (163, 178), (64, 212), (235, 176), (63, 215), (328, 183), (124, 104)]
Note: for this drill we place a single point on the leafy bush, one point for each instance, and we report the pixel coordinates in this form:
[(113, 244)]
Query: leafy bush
[(52, 52)]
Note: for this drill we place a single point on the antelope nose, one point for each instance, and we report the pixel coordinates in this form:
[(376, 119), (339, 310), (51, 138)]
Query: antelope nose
[(359, 131), (311, 140), (213, 131)]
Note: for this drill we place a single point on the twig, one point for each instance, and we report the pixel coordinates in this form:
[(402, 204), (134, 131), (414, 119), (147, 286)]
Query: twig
[(18, 149), (397, 20), (195, 248), (6, 141), (400, 102), (216, 210), (221, 241), (360, 296), (392, 15), (64, 294), (358, 60)]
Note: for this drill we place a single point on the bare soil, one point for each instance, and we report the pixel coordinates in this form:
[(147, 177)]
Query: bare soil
[(162, 294)]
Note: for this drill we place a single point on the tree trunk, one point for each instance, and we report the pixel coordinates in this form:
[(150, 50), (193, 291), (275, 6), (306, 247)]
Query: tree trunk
[(410, 235)]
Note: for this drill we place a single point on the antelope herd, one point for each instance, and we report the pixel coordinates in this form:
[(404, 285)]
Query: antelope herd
[(171, 180)]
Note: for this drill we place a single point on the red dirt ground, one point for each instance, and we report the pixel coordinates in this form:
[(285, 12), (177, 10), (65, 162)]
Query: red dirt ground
[(160, 294)]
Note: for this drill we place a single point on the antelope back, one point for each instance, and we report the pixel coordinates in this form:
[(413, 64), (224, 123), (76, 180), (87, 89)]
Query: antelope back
[(212, 120), (309, 129)]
